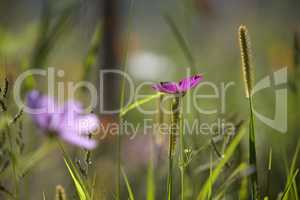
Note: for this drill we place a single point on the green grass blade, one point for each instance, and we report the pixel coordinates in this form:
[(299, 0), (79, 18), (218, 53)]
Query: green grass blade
[(289, 185), (229, 180), (181, 41), (80, 185), (292, 169), (252, 154), (129, 189), (218, 169), (150, 176), (48, 34), (93, 52), (79, 188), (138, 103), (248, 76)]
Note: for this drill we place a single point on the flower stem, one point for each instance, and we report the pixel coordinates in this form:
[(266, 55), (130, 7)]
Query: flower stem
[(182, 161), (175, 111), (170, 178)]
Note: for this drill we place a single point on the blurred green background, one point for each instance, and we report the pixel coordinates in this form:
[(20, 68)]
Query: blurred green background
[(36, 33)]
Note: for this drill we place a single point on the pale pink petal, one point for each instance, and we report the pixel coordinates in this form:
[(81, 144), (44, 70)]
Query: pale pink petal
[(190, 82)]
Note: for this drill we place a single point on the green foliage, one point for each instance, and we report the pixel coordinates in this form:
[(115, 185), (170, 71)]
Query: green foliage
[(181, 42), (138, 103), (92, 55), (79, 183), (218, 169), (247, 69), (130, 193)]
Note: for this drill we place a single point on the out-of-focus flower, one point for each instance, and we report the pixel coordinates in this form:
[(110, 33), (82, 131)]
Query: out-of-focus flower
[(65, 121), (176, 88)]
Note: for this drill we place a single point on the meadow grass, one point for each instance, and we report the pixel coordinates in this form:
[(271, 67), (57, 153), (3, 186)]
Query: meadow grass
[(216, 183), (247, 69)]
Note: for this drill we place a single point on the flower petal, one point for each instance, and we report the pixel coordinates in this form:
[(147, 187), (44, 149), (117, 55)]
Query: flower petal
[(166, 87), (82, 124), (189, 82), (42, 109)]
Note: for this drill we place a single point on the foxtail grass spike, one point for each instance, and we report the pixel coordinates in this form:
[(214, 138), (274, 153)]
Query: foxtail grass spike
[(248, 78), (60, 193), (246, 57)]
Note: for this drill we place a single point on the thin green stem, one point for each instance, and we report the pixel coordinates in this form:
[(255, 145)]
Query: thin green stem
[(170, 178), (14, 164), (252, 153), (119, 162), (182, 161), (175, 115)]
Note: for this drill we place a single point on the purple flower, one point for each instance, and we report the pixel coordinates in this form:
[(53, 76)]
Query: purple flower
[(65, 121), (183, 86)]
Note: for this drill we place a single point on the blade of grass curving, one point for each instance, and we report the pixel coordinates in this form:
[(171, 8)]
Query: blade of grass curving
[(218, 169), (181, 41), (129, 189), (40, 50), (93, 52), (79, 188), (289, 185), (124, 111), (49, 34), (232, 177), (291, 171), (295, 189), (80, 185), (244, 41)]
